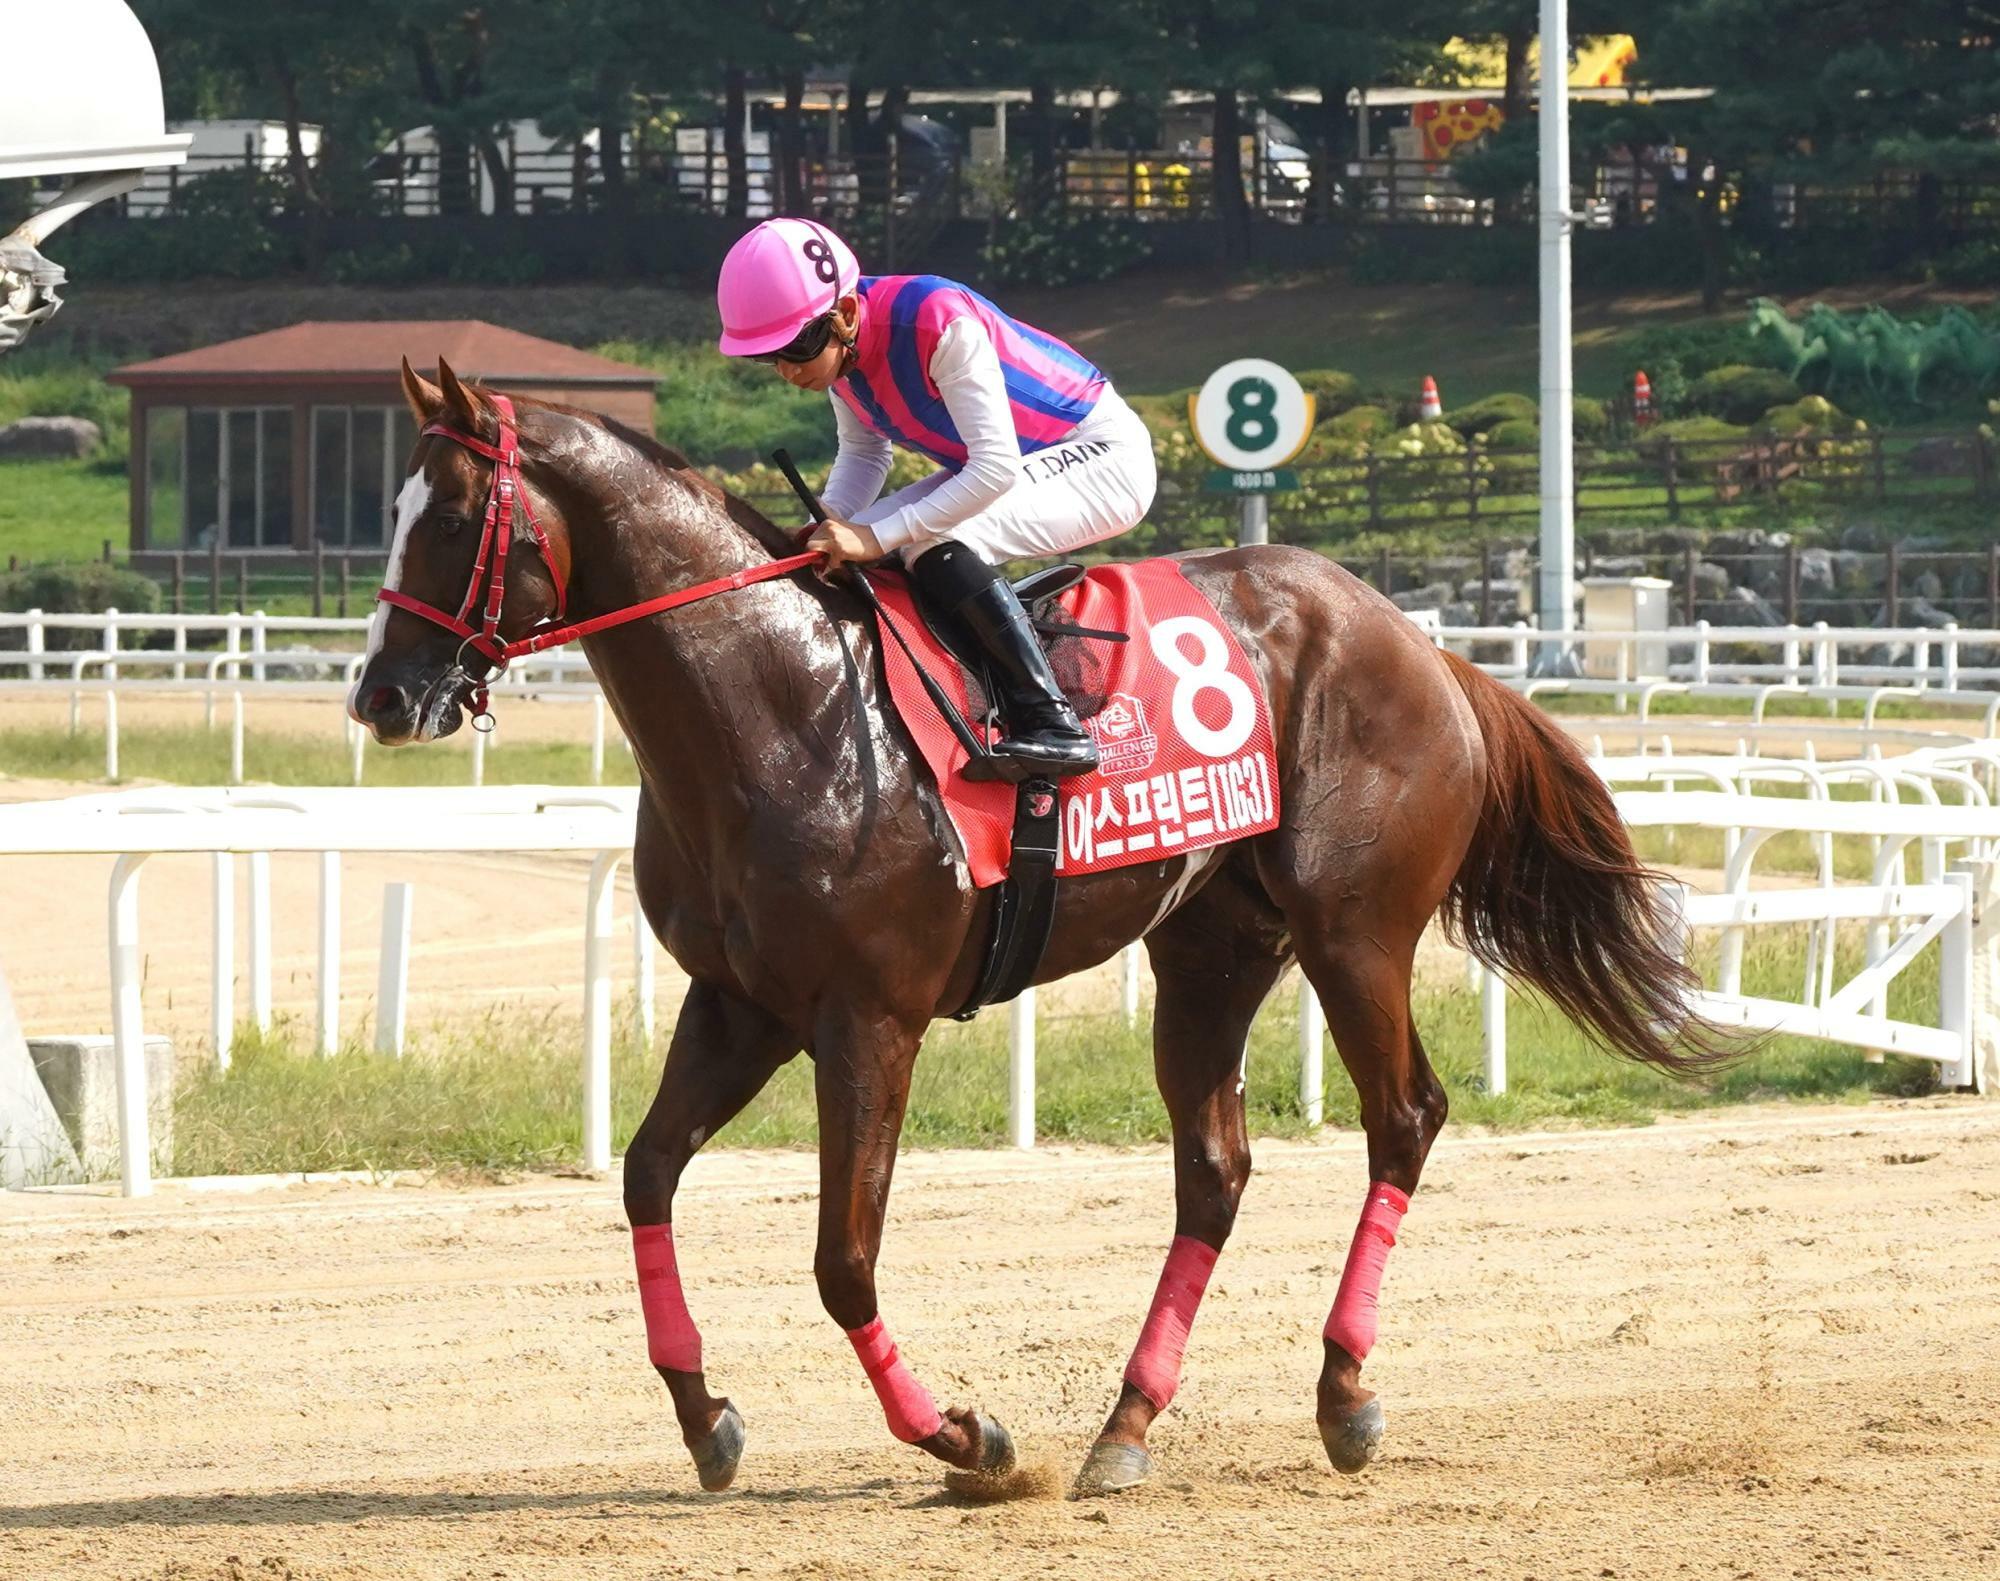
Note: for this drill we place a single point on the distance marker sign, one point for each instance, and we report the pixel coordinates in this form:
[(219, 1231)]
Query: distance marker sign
[(1251, 417)]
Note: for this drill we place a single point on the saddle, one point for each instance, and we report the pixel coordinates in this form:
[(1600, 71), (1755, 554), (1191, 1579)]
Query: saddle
[(1025, 907)]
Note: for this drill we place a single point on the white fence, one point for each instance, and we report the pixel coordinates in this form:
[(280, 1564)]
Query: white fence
[(269, 657), (1945, 903)]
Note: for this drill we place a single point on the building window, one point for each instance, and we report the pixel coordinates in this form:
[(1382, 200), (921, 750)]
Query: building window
[(219, 473), (166, 477), (358, 457)]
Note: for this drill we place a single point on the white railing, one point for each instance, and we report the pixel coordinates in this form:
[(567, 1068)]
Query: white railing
[(132, 826)]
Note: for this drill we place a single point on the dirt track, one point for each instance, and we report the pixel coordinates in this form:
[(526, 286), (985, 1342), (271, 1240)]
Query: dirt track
[(1752, 1346)]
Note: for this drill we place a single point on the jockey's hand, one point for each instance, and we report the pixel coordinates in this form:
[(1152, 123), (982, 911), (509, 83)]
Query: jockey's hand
[(842, 542)]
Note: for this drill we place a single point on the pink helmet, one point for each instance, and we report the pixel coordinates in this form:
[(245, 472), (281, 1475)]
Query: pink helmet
[(776, 280)]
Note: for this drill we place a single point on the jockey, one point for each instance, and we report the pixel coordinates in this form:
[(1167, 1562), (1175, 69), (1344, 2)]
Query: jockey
[(1037, 455)]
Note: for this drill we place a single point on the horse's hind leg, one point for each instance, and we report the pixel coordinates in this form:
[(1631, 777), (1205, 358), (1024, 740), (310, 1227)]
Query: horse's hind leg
[(723, 1052), (1215, 961), (1362, 977)]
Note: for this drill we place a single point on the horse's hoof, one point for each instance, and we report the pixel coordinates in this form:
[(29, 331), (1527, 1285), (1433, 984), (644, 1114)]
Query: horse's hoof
[(996, 1458), (717, 1456), (1352, 1442), (1111, 1468)]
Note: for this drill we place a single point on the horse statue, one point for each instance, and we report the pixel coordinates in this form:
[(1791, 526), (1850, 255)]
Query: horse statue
[(1978, 347), (1770, 321), (793, 856), (1908, 354), (1850, 355)]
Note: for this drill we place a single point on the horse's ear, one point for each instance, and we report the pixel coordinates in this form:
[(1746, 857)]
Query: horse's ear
[(464, 403), (425, 398)]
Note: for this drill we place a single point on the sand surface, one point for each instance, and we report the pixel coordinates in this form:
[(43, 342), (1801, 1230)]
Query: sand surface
[(1758, 1345)]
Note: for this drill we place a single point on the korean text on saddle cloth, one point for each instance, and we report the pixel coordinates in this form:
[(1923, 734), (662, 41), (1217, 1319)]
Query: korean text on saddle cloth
[(1184, 741)]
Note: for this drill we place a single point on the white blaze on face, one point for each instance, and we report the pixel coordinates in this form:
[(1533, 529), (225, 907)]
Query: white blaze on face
[(411, 504)]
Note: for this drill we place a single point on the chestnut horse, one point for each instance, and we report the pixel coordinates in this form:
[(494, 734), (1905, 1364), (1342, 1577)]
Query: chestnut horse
[(793, 855)]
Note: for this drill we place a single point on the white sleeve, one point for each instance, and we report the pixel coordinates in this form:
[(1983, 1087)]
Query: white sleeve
[(860, 467), (966, 370)]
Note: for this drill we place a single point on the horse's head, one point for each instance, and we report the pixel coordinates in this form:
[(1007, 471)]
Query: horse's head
[(478, 559)]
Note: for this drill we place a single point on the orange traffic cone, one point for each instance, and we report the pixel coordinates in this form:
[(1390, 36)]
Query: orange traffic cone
[(1432, 408), (1642, 399)]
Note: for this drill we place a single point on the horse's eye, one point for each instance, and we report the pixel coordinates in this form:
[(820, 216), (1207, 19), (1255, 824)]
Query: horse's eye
[(449, 523)]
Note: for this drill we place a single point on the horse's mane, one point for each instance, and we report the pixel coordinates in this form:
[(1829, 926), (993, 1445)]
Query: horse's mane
[(667, 458)]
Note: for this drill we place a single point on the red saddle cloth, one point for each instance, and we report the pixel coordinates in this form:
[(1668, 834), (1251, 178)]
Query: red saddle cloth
[(1183, 729)]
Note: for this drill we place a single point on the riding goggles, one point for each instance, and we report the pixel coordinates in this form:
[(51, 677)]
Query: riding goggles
[(804, 346)]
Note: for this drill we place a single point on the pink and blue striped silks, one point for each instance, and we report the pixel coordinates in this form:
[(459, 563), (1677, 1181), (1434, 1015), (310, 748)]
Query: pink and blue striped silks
[(1050, 387)]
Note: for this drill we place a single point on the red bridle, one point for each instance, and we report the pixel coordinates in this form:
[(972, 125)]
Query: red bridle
[(497, 531)]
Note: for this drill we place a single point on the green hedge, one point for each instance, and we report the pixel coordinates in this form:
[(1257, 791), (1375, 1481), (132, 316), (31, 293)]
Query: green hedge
[(88, 588), (1741, 394)]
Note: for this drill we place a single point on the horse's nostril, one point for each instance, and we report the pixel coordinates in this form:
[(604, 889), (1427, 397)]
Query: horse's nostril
[(383, 700)]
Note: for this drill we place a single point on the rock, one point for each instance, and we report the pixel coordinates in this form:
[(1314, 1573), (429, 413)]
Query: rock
[(1618, 565), (1928, 585), (1710, 580), (1621, 540), (81, 1076), (1750, 541), (1453, 570), (1673, 540), (1939, 457), (1854, 572), (1860, 537), (61, 438), (1460, 614), (1815, 572), (1747, 608)]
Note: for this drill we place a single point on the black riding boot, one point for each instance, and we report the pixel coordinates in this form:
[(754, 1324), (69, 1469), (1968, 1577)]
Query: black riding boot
[(1043, 734)]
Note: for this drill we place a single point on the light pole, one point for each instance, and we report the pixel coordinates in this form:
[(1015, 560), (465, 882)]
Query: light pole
[(1555, 608)]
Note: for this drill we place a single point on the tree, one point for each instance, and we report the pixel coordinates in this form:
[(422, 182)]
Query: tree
[(1904, 87)]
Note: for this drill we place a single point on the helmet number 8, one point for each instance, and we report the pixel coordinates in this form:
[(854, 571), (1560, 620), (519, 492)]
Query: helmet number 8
[(821, 257)]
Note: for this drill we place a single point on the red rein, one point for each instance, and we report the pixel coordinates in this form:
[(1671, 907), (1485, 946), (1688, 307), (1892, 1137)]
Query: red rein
[(490, 565)]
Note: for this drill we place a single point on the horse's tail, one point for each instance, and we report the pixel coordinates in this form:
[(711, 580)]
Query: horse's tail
[(1551, 893)]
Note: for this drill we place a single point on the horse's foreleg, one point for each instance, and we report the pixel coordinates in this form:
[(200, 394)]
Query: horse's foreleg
[(1365, 990), (862, 1072), (1207, 998), (723, 1052)]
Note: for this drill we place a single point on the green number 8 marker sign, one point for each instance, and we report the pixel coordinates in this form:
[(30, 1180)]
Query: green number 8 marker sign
[(1251, 415)]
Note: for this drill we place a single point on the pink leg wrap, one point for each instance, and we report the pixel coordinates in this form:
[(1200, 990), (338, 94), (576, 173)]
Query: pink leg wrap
[(1155, 1367), (671, 1340), (912, 1413), (1351, 1324)]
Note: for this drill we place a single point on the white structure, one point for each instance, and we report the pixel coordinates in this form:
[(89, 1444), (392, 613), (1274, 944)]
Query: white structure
[(79, 96), (1558, 563), (544, 169), (1626, 604)]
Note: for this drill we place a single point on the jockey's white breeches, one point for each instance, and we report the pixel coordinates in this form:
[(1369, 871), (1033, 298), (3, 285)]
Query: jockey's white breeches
[(1096, 484)]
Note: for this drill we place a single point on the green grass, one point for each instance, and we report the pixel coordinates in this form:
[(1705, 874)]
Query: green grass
[(504, 1093), (62, 510), (182, 756)]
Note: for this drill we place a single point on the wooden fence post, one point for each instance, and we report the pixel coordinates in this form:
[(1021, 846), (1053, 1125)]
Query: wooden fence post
[(1471, 483), (242, 583), (346, 583), (1386, 578), (1374, 491), (1688, 589), (1881, 468), (215, 575), (1791, 584), (1993, 586), (180, 584), (319, 577), (1673, 482), (1894, 592), (1486, 580)]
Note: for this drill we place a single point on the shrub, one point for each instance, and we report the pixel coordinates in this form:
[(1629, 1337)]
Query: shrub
[(1333, 392), (1359, 425), (1815, 414), (1517, 433), (1739, 394), (1972, 265), (1494, 410), (1590, 420), (87, 588), (1696, 349), (1061, 249), (1690, 430)]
